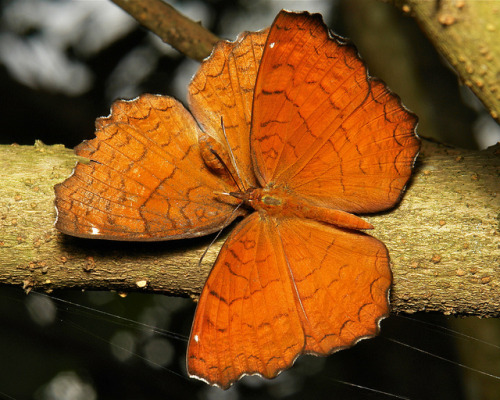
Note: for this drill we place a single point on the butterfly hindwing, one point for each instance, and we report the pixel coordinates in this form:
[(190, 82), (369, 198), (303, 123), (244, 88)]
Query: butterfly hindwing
[(145, 179), (269, 298), (341, 278), (246, 321)]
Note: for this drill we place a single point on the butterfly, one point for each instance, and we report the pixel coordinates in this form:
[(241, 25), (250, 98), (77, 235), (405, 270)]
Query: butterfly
[(286, 129)]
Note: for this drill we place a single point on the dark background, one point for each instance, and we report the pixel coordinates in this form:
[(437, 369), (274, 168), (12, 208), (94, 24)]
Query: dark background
[(62, 63)]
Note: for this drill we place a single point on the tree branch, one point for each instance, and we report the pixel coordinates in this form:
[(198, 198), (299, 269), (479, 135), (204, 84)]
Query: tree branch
[(443, 238), (466, 33), (185, 35)]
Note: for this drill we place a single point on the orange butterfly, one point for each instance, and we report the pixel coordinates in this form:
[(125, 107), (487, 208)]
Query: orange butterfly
[(293, 130)]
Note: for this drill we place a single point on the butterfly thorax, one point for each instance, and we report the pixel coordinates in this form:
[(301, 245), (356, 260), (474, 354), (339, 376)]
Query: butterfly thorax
[(271, 201)]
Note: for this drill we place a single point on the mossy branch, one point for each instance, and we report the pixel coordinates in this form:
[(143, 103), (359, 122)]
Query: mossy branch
[(443, 238), (466, 33)]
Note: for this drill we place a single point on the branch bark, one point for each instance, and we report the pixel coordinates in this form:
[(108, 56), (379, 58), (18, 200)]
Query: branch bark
[(443, 238), (466, 34), (185, 35)]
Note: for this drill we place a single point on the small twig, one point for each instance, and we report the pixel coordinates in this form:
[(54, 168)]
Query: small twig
[(185, 35)]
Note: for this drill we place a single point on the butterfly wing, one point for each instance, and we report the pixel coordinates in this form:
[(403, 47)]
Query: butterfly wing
[(221, 94), (269, 298), (341, 281), (246, 321), (145, 180), (148, 177), (322, 127)]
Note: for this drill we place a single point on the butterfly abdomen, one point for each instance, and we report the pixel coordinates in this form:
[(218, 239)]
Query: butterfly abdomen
[(280, 201)]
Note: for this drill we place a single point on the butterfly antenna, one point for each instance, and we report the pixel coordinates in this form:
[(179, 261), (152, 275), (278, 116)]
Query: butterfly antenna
[(231, 154), (227, 169), (218, 234)]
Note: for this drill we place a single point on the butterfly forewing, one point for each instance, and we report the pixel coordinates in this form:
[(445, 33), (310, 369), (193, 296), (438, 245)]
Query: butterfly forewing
[(221, 95), (322, 127)]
